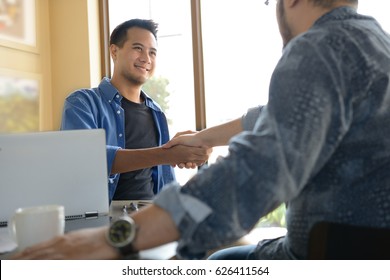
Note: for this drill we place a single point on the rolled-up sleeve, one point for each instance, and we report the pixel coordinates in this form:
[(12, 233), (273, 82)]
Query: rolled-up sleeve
[(181, 208)]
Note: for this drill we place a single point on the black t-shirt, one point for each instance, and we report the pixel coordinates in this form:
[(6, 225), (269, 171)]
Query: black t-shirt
[(140, 133)]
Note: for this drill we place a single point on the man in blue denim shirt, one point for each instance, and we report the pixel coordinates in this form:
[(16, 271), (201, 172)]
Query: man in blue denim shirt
[(321, 144), (135, 125)]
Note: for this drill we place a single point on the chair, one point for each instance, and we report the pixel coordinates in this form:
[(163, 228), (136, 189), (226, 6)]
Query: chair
[(334, 241)]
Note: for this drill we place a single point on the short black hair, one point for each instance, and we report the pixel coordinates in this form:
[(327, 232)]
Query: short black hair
[(119, 34)]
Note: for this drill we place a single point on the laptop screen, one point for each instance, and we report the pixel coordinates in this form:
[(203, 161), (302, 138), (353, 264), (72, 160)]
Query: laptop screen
[(57, 167)]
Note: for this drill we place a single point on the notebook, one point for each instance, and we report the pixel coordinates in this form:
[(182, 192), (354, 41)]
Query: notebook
[(56, 167)]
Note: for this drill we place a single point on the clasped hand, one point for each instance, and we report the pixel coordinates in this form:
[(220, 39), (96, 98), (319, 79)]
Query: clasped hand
[(189, 138)]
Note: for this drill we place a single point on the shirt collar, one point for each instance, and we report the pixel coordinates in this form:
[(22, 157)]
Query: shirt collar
[(340, 13), (110, 93), (108, 90)]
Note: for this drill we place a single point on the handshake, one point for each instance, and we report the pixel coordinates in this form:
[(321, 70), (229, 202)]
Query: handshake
[(187, 150)]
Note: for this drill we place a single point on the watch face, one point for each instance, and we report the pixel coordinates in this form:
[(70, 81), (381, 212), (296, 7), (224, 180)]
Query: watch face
[(121, 232)]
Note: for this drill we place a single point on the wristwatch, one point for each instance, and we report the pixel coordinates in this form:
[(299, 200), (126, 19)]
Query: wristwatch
[(121, 235)]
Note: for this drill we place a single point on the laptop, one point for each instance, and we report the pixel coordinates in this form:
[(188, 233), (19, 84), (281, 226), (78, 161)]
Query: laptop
[(56, 167)]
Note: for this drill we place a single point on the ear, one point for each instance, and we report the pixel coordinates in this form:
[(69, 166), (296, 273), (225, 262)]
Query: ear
[(113, 51)]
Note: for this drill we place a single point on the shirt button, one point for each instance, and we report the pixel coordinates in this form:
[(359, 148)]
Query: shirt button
[(109, 101), (120, 135), (118, 112), (117, 96)]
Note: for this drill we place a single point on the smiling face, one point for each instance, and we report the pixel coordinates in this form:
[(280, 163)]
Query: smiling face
[(136, 60)]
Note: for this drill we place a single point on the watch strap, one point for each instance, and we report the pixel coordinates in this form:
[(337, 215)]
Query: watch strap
[(128, 252)]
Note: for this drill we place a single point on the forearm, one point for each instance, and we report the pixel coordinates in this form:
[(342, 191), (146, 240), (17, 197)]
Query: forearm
[(127, 160), (220, 135), (155, 227)]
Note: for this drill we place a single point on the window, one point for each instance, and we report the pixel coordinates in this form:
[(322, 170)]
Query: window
[(241, 48)]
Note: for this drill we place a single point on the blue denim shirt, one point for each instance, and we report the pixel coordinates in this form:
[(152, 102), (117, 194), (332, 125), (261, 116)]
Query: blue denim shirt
[(101, 108), (321, 144)]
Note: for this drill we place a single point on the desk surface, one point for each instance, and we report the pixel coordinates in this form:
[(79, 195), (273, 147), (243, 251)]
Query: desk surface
[(117, 208)]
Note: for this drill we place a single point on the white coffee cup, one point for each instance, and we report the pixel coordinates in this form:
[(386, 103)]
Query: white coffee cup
[(32, 225)]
